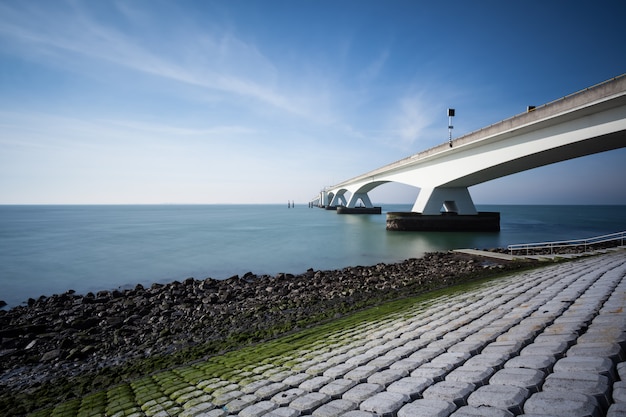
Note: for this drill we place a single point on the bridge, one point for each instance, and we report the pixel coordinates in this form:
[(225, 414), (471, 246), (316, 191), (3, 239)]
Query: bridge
[(587, 122)]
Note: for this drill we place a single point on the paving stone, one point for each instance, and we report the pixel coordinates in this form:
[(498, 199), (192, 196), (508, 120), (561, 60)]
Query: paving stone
[(476, 376), (227, 397), (469, 411), (315, 383), (561, 404), (285, 397), (530, 379), (252, 387), (386, 377), (296, 380), (361, 392), (617, 410), (456, 392), (259, 409), (358, 413), (336, 388), (268, 391), (361, 373), (471, 347), (621, 370), (283, 412), (544, 363), (411, 386), (484, 360), (406, 364), (436, 374), (309, 402), (600, 366), (551, 348), (334, 408), (505, 397), (427, 408), (384, 403), (339, 370), (619, 392), (509, 348), (587, 383), (240, 403), (612, 351)]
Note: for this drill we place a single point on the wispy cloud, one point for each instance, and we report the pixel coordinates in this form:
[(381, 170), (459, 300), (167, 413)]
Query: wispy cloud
[(222, 63)]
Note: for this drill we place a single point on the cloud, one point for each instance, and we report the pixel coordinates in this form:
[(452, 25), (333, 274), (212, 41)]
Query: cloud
[(413, 120)]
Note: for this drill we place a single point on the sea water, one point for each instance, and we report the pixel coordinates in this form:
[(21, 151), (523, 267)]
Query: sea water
[(46, 250)]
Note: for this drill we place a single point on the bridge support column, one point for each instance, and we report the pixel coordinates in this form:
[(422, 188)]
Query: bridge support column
[(360, 196), (431, 201), (338, 200)]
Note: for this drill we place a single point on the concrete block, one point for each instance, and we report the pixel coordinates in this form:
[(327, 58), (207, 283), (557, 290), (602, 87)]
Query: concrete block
[(450, 359), (361, 392), (543, 363), (382, 362), (285, 397), (384, 403), (406, 364), (505, 397), (361, 359), (361, 373), (455, 392), (339, 370), (318, 368), (471, 347), (400, 352), (436, 374), (476, 376), (259, 409), (600, 366), (315, 383), (358, 413), (619, 392), (469, 411), (509, 348), (411, 386), (612, 351), (617, 410), (621, 371), (596, 386), (336, 388), (227, 397), (560, 404), (253, 386), (268, 391), (426, 354), (309, 402), (551, 348), (530, 379), (386, 377), (334, 408), (283, 412), (484, 360), (240, 403), (296, 380), (427, 408)]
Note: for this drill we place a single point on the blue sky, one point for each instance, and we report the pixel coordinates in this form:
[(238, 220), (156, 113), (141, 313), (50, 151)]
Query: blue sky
[(115, 102)]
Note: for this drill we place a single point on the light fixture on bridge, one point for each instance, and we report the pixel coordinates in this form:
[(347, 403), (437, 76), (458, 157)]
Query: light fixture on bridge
[(450, 127)]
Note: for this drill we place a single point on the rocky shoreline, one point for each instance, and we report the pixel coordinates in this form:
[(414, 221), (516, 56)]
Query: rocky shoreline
[(68, 335)]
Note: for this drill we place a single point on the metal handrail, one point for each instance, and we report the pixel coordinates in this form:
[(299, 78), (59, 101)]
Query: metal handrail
[(619, 236)]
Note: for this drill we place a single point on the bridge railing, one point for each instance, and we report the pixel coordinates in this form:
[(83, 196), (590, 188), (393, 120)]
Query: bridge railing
[(569, 246)]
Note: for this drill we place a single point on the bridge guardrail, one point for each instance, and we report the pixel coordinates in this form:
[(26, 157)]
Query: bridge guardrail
[(586, 244)]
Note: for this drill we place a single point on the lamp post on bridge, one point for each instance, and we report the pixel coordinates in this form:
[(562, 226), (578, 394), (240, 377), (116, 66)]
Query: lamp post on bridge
[(450, 127)]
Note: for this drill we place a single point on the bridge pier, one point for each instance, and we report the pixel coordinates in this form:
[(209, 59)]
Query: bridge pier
[(444, 209)]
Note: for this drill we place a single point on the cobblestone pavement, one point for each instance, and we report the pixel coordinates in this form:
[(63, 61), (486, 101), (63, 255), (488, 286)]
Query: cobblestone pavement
[(548, 342)]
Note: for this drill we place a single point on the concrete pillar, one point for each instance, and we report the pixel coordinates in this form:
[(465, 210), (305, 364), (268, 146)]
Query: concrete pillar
[(430, 201)]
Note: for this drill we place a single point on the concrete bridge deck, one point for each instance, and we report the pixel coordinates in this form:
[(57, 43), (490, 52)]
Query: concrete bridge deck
[(547, 342)]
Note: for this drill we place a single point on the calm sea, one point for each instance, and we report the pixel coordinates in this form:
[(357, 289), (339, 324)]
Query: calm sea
[(49, 249)]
